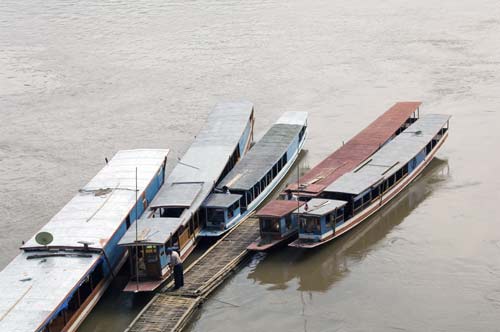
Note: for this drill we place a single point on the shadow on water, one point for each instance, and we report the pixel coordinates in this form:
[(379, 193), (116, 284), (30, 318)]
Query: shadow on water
[(317, 270)]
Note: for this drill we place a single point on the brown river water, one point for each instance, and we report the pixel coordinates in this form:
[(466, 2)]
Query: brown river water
[(80, 80)]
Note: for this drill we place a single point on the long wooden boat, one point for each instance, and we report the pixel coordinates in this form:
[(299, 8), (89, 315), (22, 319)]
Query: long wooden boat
[(357, 195), (175, 217), (277, 224), (51, 286), (256, 175)]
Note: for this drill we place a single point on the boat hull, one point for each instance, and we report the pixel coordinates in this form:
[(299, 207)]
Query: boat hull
[(273, 244), (347, 226)]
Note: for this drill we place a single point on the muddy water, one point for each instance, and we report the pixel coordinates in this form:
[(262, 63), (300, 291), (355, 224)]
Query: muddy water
[(81, 79)]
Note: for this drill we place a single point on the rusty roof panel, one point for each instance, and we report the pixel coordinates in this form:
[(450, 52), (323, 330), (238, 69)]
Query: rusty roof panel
[(356, 150), (279, 209)]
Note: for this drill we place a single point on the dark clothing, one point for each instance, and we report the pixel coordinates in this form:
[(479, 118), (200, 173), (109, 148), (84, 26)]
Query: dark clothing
[(178, 276)]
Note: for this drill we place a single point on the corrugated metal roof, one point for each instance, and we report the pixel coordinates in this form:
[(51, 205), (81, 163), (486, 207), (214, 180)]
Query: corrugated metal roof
[(96, 212), (391, 156), (178, 195), (221, 200), (152, 231), (320, 206), (279, 208), (293, 118), (263, 156), (33, 288), (360, 147), (205, 160)]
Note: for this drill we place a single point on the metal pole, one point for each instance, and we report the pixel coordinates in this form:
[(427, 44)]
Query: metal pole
[(136, 236), (298, 183)]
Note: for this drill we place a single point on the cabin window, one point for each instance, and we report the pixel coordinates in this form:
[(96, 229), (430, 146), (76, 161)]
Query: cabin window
[(85, 290), (171, 212), (151, 254), (375, 192), (399, 174), (288, 222), (269, 225), (96, 275), (191, 225), (391, 181), (339, 219), (357, 204), (366, 198), (216, 216), (310, 225), (230, 213), (329, 221), (301, 134)]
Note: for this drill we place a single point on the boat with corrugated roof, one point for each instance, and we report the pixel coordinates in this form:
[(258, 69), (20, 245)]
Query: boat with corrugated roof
[(65, 268), (175, 217), (256, 176), (358, 194), (278, 225)]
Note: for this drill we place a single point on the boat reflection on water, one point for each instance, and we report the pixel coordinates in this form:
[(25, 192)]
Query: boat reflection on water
[(319, 269)]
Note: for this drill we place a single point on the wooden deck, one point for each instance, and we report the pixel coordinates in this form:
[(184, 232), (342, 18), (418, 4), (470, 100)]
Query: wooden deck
[(170, 310)]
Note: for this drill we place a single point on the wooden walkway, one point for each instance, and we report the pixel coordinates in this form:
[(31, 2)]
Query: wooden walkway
[(170, 310)]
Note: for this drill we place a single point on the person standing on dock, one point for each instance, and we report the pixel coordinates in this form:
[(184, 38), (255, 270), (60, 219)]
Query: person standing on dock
[(176, 264)]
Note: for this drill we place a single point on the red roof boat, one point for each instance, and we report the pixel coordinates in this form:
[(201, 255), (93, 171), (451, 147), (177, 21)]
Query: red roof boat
[(341, 161)]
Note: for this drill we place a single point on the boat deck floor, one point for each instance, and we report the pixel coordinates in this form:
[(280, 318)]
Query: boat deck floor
[(170, 309)]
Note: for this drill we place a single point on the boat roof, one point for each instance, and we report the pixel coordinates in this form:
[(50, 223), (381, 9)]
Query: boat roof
[(32, 289), (203, 163), (220, 200), (391, 156), (100, 207), (279, 208), (266, 153), (152, 231), (178, 195), (320, 206), (357, 149), (293, 118)]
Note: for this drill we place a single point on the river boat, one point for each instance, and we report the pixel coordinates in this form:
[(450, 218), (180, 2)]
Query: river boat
[(256, 176), (62, 272), (358, 194), (175, 217), (277, 224)]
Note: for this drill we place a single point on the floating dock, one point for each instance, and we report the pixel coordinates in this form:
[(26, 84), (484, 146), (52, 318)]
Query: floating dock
[(170, 310)]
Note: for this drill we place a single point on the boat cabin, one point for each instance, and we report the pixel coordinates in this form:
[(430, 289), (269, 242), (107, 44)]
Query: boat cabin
[(318, 218), (147, 253), (221, 209), (276, 219)]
